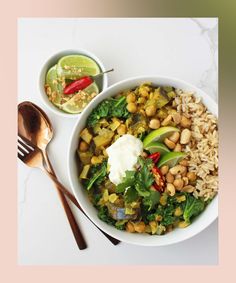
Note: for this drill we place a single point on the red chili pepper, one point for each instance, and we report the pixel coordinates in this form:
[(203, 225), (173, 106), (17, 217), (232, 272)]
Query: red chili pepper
[(82, 83), (159, 181), (155, 156), (78, 85)]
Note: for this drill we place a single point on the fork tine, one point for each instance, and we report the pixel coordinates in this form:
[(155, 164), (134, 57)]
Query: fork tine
[(22, 150), (21, 157), (25, 146), (26, 141)]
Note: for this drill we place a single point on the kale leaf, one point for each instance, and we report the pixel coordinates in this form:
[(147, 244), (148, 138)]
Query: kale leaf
[(120, 224), (103, 214), (98, 173), (112, 107), (193, 207)]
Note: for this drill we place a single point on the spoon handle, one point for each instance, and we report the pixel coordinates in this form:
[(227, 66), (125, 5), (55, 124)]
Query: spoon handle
[(74, 226), (51, 173)]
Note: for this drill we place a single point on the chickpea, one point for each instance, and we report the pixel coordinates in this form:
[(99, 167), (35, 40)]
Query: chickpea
[(169, 177), (144, 92), (131, 107), (170, 189), (151, 110), (131, 97), (191, 176), (185, 122), (183, 224), (121, 130), (178, 211), (83, 146), (141, 100), (154, 124), (170, 144), (163, 200), (178, 183), (130, 227), (178, 147), (140, 227), (96, 160), (164, 169), (174, 137)]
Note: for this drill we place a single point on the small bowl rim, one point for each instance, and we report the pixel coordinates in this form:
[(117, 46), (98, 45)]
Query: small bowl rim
[(47, 65), (139, 239)]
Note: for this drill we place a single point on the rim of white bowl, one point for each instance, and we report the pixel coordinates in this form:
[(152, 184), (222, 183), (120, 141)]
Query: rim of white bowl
[(207, 217), (52, 61)]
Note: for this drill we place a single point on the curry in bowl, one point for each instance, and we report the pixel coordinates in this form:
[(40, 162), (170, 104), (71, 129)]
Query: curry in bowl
[(148, 159)]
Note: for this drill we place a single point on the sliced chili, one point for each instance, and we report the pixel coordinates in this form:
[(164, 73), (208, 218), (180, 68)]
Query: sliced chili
[(154, 156), (159, 180)]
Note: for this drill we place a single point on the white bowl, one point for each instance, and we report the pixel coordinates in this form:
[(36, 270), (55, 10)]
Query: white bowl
[(51, 62), (177, 235)]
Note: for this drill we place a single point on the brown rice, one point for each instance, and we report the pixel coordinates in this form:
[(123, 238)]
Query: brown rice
[(203, 148)]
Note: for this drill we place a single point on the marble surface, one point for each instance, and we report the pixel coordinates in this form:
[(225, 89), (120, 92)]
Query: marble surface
[(184, 48)]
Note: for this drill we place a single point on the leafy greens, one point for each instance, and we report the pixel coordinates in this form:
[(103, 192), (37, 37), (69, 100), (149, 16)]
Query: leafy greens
[(193, 207), (112, 107), (137, 184), (97, 173)]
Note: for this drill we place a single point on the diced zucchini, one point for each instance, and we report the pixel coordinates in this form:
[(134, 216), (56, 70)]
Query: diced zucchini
[(162, 113), (161, 99), (115, 124), (171, 94), (86, 135), (85, 157), (113, 197), (104, 138), (168, 88), (85, 171)]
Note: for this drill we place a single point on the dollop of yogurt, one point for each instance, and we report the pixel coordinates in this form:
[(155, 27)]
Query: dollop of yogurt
[(122, 156)]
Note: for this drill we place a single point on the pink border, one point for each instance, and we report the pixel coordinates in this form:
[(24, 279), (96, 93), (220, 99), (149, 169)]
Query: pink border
[(10, 272)]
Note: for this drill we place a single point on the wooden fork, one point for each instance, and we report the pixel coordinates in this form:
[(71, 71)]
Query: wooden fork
[(32, 156)]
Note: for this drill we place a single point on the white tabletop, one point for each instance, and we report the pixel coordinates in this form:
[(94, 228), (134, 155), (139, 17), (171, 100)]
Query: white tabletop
[(183, 48)]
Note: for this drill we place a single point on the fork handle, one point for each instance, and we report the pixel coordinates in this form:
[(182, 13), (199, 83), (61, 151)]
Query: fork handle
[(74, 226)]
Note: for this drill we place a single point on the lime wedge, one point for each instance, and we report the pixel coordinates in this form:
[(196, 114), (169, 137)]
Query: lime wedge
[(54, 84), (77, 66), (159, 135), (171, 159), (157, 147), (76, 104)]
